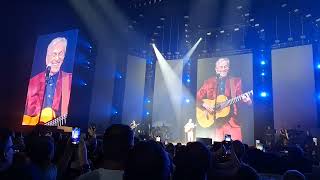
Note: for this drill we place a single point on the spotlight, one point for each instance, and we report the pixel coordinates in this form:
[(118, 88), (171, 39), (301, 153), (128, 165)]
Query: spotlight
[(262, 62), (188, 80), (187, 100), (318, 66), (147, 113), (263, 74), (263, 94)]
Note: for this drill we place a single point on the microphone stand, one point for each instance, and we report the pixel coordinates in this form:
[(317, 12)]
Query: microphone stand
[(47, 76)]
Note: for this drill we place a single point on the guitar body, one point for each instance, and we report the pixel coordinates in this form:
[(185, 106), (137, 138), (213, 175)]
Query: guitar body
[(47, 114), (206, 119)]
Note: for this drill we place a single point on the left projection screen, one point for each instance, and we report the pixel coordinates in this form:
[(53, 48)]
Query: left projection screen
[(50, 82), (134, 91)]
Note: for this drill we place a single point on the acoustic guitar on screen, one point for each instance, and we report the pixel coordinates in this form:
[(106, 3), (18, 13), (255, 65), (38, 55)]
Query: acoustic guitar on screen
[(48, 117), (221, 108)]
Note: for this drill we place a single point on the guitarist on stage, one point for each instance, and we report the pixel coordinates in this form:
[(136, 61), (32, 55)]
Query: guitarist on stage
[(223, 84), (50, 89)]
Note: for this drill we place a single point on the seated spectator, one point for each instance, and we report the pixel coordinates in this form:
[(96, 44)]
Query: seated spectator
[(41, 152), (117, 141), (148, 160), (293, 175), (193, 163), (246, 172), (239, 149), (6, 153)]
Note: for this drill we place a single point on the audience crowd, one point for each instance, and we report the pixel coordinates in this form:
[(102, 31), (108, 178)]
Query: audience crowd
[(44, 154)]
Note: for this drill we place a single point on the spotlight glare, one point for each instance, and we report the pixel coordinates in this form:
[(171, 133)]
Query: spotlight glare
[(262, 62), (263, 94), (318, 66), (263, 74), (308, 15), (187, 100)]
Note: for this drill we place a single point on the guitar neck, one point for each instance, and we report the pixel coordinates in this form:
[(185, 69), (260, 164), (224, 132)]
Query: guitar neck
[(235, 99), (60, 121)]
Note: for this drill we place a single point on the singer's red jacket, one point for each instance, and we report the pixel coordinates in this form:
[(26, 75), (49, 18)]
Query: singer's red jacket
[(36, 90), (208, 90)]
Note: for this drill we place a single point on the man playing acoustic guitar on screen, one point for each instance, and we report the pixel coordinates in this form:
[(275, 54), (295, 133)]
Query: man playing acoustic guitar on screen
[(216, 102), (49, 91)]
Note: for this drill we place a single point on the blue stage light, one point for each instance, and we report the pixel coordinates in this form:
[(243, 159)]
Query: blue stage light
[(188, 80), (187, 100), (263, 94), (318, 65), (147, 100), (147, 113), (262, 62), (263, 74)]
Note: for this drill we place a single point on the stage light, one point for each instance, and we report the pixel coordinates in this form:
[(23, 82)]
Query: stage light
[(188, 80), (308, 15), (187, 100), (147, 113), (263, 74), (236, 29), (262, 62), (147, 100), (318, 66), (208, 33), (263, 94)]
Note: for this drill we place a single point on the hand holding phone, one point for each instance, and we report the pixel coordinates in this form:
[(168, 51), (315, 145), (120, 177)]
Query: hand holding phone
[(75, 136)]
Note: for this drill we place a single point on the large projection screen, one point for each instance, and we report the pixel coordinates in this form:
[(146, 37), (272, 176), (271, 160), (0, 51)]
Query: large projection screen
[(134, 90), (293, 82), (240, 67), (167, 97)]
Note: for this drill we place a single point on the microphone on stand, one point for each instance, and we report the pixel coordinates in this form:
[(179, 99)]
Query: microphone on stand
[(47, 72)]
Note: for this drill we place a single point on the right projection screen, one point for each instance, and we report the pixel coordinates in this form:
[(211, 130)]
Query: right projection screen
[(293, 82)]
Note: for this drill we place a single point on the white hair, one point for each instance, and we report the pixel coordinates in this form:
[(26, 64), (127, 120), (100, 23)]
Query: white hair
[(223, 59), (57, 40)]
